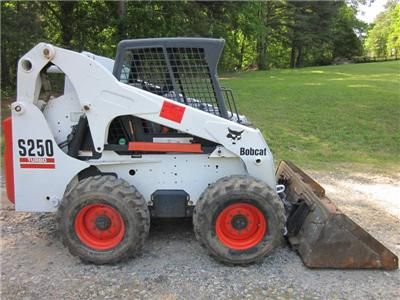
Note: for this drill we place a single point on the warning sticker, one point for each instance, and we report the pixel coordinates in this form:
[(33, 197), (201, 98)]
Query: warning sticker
[(172, 112)]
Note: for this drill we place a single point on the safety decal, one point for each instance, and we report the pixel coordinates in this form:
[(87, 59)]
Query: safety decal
[(37, 163), (172, 112), (36, 154)]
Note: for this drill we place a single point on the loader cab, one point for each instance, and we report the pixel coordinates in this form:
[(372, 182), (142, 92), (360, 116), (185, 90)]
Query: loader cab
[(179, 69)]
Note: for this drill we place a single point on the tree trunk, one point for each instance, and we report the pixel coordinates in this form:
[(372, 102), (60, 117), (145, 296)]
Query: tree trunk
[(241, 57), (4, 66), (122, 20), (299, 59), (293, 56), (67, 21), (262, 40), (262, 54)]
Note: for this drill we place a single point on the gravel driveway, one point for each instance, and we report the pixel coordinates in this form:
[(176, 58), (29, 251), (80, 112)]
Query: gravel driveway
[(35, 265)]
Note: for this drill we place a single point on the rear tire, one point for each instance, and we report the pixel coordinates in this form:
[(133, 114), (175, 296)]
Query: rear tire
[(239, 219), (103, 220)]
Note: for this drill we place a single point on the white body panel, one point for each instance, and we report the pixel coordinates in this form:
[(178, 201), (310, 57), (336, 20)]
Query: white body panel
[(61, 114), (93, 90), (36, 188), (189, 172)]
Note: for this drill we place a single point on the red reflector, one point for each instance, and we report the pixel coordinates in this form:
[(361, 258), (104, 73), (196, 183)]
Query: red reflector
[(8, 159), (172, 112), (164, 147)]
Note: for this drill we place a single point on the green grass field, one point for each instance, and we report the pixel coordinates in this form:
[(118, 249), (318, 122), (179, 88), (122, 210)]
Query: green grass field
[(344, 116), (325, 116)]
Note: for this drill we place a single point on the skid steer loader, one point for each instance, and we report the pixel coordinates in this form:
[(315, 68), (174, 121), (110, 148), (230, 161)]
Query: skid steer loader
[(152, 134)]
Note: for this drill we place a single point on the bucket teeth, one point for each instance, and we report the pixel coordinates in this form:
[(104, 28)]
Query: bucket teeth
[(323, 236)]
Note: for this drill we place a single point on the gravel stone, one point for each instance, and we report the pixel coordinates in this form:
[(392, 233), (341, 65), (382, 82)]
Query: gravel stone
[(35, 265)]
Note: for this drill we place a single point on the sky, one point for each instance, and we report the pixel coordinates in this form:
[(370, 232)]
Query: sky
[(367, 13)]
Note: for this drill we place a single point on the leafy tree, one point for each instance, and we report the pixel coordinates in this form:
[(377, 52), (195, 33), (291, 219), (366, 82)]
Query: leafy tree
[(311, 29), (384, 34), (346, 43), (273, 18), (393, 41), (258, 35), (21, 30)]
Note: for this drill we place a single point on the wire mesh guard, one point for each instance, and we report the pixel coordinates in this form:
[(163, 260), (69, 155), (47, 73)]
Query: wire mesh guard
[(180, 74)]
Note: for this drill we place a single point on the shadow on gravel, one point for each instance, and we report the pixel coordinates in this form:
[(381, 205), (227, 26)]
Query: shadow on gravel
[(171, 227)]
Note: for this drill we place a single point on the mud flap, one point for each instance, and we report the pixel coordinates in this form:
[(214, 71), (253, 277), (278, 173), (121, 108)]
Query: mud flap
[(323, 236)]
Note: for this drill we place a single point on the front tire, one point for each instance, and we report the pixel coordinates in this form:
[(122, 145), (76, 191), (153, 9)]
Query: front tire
[(239, 219), (103, 220)]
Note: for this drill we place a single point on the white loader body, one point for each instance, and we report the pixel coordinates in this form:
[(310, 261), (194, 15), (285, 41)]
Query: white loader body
[(43, 170)]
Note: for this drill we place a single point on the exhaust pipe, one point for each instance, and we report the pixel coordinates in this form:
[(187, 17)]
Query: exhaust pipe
[(323, 236)]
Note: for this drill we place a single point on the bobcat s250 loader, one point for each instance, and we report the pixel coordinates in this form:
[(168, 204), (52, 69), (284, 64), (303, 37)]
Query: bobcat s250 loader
[(152, 134)]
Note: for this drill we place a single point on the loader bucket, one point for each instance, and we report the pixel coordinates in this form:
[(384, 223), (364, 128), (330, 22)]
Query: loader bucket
[(322, 235)]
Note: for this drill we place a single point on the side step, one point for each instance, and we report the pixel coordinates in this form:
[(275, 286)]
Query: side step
[(323, 236)]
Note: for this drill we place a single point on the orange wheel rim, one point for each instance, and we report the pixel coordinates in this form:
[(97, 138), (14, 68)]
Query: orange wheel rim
[(241, 226), (99, 226)]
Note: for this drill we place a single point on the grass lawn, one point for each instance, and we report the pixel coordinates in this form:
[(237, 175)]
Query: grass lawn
[(325, 116), (342, 117)]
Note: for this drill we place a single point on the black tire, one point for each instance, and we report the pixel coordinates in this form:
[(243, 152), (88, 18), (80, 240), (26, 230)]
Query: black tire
[(119, 196), (238, 190)]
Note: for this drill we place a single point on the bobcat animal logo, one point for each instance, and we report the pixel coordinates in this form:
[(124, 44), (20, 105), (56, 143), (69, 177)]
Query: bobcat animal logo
[(234, 135)]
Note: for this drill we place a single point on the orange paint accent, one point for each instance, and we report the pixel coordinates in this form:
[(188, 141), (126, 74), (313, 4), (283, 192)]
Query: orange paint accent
[(164, 147), (8, 159)]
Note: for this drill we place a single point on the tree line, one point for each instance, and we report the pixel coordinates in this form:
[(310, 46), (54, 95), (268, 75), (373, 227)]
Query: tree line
[(383, 37), (258, 35)]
